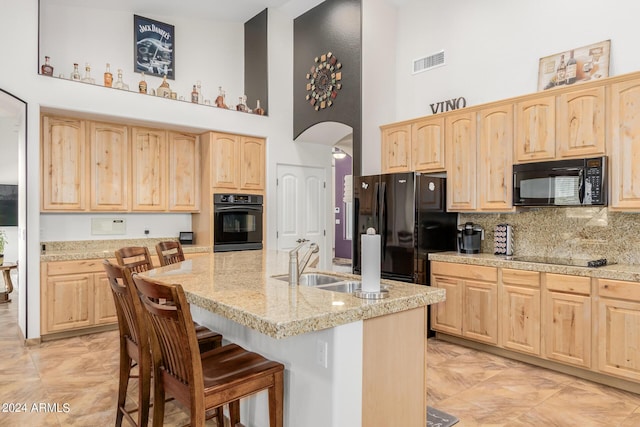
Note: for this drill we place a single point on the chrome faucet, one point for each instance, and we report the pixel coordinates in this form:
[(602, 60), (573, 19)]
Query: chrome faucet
[(296, 267)]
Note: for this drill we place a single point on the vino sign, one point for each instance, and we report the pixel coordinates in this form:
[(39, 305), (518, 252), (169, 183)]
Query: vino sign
[(448, 105)]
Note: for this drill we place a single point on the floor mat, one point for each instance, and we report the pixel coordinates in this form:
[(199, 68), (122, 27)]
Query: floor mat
[(437, 418)]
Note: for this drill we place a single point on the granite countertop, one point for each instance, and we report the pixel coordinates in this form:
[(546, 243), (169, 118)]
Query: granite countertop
[(240, 286), (627, 272), (97, 249)]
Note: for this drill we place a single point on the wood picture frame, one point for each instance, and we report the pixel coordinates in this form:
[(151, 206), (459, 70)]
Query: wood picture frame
[(154, 47), (575, 66)]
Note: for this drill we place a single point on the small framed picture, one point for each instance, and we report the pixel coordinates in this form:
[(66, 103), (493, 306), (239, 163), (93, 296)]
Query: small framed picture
[(154, 47), (578, 65)]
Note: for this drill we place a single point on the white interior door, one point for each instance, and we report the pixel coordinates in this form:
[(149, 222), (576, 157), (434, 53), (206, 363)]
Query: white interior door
[(301, 205)]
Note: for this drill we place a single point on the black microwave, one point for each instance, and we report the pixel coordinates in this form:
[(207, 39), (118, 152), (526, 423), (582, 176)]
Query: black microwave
[(575, 182)]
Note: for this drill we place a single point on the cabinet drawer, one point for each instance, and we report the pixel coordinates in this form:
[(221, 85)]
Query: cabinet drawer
[(567, 283), (465, 271), (619, 289), (521, 277), (57, 268)]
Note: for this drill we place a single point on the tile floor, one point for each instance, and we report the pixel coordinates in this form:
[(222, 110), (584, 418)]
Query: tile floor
[(76, 380)]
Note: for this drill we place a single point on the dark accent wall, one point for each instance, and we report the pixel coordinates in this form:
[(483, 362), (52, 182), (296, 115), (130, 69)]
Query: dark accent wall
[(256, 62), (333, 26)]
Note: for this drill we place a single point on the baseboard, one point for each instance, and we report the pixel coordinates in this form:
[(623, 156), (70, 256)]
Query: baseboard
[(78, 332)]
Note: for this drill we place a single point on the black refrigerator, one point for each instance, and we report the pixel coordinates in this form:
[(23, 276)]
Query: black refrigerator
[(408, 210)]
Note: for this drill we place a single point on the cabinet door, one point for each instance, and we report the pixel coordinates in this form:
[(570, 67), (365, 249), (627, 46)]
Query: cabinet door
[(619, 337), (567, 328), (427, 145), (104, 305), (149, 168), (480, 311), (535, 130), (69, 300), (520, 310), (624, 145), (63, 164), (109, 145), (446, 316), (396, 149), (225, 161), (460, 137), (252, 163), (495, 159), (184, 172), (581, 123)]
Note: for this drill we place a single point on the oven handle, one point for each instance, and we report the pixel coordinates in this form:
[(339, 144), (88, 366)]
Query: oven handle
[(238, 208)]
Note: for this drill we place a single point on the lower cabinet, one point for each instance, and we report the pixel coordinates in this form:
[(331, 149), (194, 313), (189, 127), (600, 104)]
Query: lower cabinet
[(567, 319), (520, 310), (74, 295), (471, 307), (618, 332)]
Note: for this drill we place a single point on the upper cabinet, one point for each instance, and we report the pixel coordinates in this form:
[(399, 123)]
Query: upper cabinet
[(109, 164), (184, 172), (252, 163), (495, 159), (396, 148), (427, 145), (238, 162), (149, 169), (535, 129), (460, 137), (624, 145), (581, 123), (63, 164)]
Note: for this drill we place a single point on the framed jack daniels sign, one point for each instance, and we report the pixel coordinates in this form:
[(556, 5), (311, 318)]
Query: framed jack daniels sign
[(154, 47)]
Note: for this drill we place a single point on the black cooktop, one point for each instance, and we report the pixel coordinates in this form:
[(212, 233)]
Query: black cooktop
[(597, 262)]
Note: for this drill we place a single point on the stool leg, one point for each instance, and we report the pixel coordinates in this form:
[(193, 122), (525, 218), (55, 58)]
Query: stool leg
[(123, 383), (276, 399), (234, 412), (144, 389)]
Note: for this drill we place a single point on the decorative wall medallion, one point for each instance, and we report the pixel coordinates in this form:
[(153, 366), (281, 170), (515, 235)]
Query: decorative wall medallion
[(324, 81)]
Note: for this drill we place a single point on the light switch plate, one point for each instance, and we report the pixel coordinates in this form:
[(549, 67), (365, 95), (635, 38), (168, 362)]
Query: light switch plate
[(108, 226)]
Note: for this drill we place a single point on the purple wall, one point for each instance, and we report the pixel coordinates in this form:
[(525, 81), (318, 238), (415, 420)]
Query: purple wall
[(342, 246)]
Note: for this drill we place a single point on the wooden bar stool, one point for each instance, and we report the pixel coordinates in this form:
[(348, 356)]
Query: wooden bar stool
[(169, 252), (204, 381), (134, 344)]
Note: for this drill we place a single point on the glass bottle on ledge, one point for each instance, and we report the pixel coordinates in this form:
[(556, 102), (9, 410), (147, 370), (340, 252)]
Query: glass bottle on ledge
[(199, 90), (259, 110), (194, 95), (220, 98), (75, 74), (108, 77), (119, 84), (46, 68), (164, 91), (87, 75), (242, 104), (142, 85)]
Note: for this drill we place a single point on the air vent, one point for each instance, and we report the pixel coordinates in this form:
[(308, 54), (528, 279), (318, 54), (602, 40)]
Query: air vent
[(428, 62)]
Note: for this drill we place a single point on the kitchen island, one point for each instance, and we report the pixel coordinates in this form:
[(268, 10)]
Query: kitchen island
[(348, 362)]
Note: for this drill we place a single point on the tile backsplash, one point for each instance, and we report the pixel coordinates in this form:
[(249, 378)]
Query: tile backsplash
[(584, 233)]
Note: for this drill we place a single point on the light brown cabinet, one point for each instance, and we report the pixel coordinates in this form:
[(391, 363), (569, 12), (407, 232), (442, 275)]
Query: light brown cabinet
[(520, 310), (148, 169), (238, 162), (109, 166), (471, 307), (461, 145), (535, 129), (63, 164), (428, 145), (396, 148), (624, 145), (567, 319), (184, 172), (252, 164), (495, 159), (581, 123), (618, 328)]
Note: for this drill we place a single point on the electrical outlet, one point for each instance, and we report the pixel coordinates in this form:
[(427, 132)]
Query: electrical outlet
[(322, 356), (146, 231)]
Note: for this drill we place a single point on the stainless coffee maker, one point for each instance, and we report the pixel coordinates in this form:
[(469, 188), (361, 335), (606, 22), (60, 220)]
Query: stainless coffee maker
[(470, 237)]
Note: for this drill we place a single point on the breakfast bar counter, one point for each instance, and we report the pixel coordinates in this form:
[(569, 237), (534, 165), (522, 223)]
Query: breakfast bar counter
[(348, 361)]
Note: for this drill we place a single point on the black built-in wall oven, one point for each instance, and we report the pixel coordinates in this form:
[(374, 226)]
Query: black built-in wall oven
[(237, 222)]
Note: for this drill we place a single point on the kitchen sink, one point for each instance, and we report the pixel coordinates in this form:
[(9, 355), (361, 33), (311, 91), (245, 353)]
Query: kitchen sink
[(312, 279), (345, 287)]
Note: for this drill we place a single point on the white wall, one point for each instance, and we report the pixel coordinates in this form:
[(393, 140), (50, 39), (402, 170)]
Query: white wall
[(492, 47)]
